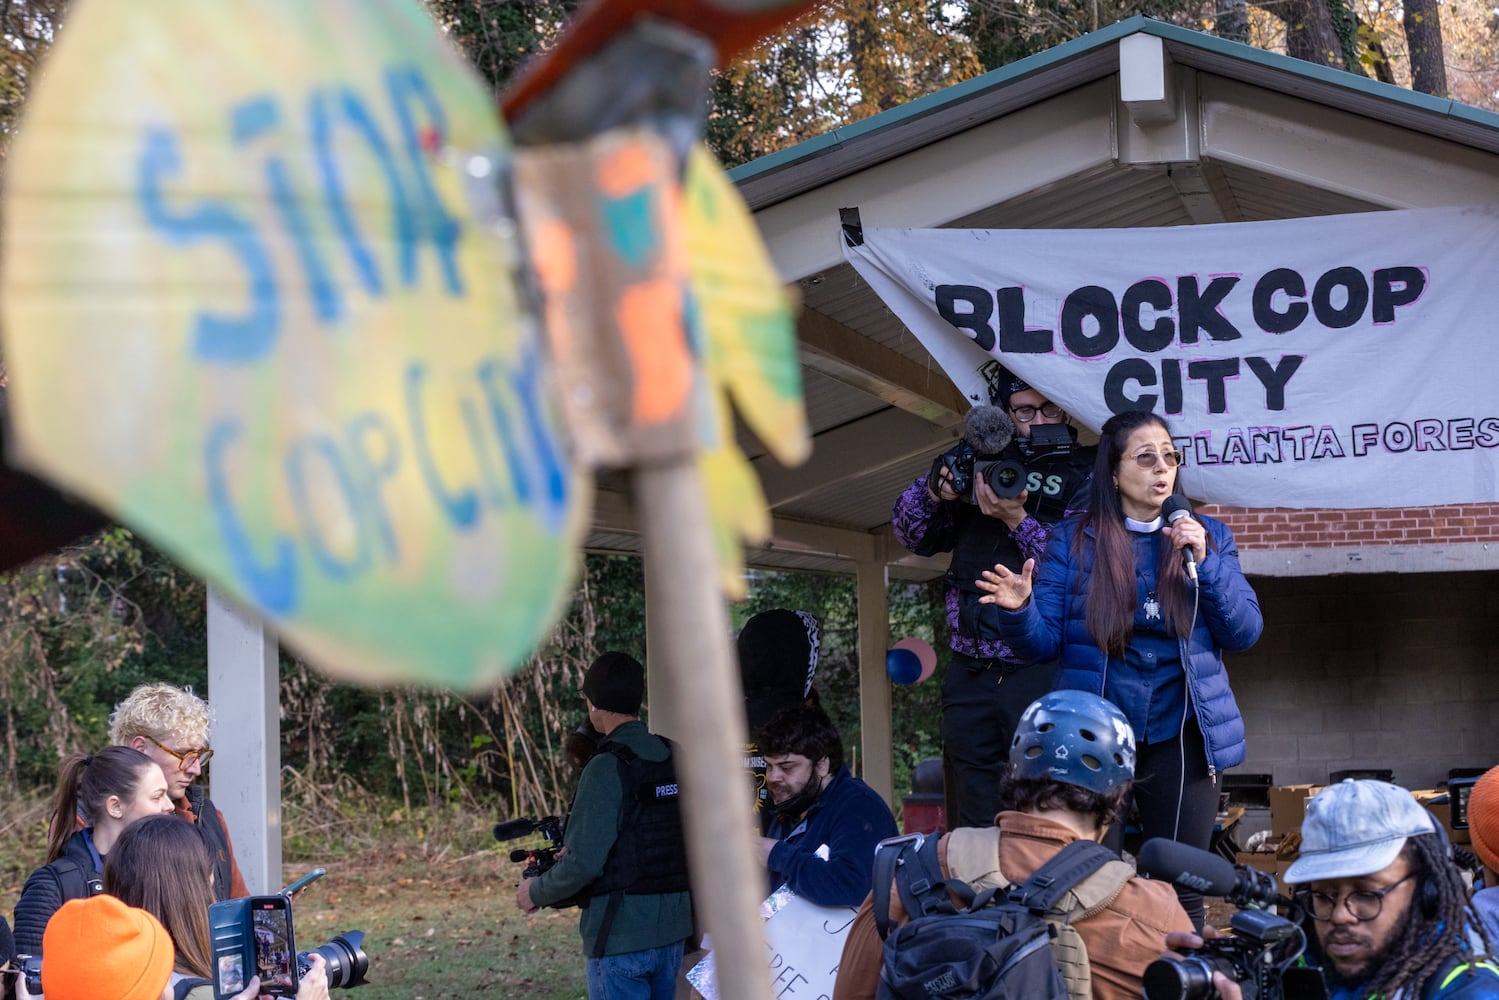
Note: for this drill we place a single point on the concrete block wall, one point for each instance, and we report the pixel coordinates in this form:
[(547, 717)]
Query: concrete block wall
[(1397, 671)]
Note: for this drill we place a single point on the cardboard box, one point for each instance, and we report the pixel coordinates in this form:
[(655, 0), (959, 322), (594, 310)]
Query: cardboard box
[(1265, 861), (1442, 811), (1288, 807)]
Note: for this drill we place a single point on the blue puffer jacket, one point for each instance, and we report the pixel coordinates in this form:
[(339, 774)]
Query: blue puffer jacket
[(1055, 623)]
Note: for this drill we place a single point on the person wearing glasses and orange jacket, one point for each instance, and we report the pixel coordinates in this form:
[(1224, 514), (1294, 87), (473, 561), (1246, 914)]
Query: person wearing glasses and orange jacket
[(1114, 599), (986, 685), (171, 726)]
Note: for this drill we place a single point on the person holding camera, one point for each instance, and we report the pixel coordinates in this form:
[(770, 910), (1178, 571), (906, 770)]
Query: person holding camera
[(109, 790), (1390, 915), (624, 857), (163, 866), (1069, 770), (1141, 612), (988, 683), (103, 949)]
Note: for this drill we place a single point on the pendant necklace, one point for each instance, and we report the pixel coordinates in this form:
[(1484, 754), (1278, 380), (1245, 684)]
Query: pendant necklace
[(1152, 608)]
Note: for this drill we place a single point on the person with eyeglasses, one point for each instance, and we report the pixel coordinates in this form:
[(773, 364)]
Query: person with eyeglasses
[(171, 726), (108, 790), (987, 685), (1111, 597), (1385, 908)]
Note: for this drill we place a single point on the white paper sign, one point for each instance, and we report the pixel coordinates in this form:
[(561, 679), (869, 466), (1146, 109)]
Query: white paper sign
[(1342, 361), (805, 944)]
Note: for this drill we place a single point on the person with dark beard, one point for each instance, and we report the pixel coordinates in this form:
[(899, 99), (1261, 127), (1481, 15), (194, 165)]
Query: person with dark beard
[(1390, 915), (825, 823)]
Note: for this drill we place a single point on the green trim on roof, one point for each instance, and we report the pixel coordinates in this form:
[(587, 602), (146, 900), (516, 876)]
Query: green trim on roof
[(1041, 61)]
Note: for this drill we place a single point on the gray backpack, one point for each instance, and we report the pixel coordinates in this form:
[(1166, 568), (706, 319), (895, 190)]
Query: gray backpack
[(1011, 942)]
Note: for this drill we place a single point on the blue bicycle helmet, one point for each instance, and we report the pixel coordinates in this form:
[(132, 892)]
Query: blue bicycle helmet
[(1075, 738)]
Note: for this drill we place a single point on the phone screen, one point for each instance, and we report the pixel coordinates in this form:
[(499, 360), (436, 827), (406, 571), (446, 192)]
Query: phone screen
[(275, 949)]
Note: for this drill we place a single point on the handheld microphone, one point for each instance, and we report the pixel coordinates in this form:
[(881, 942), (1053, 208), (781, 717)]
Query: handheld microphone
[(1205, 872), (1174, 509)]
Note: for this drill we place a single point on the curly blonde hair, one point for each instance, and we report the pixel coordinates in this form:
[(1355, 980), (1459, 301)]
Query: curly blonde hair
[(161, 712)]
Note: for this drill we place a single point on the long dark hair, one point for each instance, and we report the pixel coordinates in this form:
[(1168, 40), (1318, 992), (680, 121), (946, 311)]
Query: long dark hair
[(161, 865), (1111, 597), (84, 784)]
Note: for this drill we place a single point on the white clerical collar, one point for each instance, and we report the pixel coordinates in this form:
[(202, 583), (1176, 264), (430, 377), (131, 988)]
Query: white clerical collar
[(1143, 527)]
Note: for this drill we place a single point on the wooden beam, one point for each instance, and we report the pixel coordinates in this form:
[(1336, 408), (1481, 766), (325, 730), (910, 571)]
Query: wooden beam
[(847, 356), (857, 448)]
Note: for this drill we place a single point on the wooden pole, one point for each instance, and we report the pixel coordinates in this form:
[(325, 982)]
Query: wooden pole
[(692, 648)]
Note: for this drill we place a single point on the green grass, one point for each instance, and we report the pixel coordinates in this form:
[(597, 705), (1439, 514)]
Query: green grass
[(443, 929)]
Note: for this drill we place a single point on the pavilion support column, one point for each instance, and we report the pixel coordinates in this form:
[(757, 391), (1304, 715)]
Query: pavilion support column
[(874, 683), (244, 692)]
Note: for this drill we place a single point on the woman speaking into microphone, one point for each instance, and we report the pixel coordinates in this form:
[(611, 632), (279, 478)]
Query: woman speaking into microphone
[(1115, 599)]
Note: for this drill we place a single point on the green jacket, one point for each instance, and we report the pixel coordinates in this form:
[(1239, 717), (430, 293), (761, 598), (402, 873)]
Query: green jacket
[(642, 922)]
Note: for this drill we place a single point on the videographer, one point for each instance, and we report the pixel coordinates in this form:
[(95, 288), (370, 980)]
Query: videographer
[(987, 684), (1390, 916), (623, 852)]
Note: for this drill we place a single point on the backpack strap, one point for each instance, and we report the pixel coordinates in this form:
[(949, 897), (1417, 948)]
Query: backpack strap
[(973, 856), (910, 862), (1052, 881), (73, 882)]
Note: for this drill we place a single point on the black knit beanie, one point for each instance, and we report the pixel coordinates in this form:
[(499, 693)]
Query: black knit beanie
[(615, 682)]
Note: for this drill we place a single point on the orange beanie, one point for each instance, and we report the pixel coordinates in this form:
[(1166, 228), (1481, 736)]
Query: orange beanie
[(1483, 818), (100, 949)]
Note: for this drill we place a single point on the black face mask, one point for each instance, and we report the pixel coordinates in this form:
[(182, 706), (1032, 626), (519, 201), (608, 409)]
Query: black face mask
[(801, 801)]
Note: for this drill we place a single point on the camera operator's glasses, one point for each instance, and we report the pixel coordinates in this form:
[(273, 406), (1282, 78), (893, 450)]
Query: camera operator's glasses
[(185, 758), (1365, 904), (1025, 414), (1147, 459)]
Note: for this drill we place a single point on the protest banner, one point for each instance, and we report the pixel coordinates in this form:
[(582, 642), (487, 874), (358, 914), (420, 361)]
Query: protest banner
[(1342, 361)]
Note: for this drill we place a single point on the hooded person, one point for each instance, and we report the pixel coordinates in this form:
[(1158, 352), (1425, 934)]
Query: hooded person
[(778, 653)]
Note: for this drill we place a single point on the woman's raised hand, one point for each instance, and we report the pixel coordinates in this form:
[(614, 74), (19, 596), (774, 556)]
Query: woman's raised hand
[(1008, 590)]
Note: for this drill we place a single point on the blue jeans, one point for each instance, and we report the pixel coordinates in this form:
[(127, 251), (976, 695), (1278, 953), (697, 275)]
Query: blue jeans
[(636, 975)]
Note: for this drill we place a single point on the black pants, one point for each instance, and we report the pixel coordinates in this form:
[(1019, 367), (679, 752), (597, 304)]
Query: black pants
[(1176, 800), (982, 701)]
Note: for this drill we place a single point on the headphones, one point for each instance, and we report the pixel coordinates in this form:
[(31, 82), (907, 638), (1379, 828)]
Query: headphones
[(1430, 895)]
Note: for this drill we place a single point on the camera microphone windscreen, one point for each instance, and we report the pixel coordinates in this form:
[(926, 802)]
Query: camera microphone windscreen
[(512, 828), (987, 429), (1188, 867)]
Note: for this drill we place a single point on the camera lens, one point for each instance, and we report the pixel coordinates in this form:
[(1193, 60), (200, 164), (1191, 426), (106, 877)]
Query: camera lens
[(1006, 479), (1186, 979), (346, 961)]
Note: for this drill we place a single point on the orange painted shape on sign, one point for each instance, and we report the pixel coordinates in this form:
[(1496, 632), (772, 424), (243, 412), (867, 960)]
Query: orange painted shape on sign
[(649, 315)]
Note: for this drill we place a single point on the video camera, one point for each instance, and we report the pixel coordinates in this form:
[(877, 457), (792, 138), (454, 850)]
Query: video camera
[(541, 859), (254, 936), (1260, 952), (1042, 468)]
